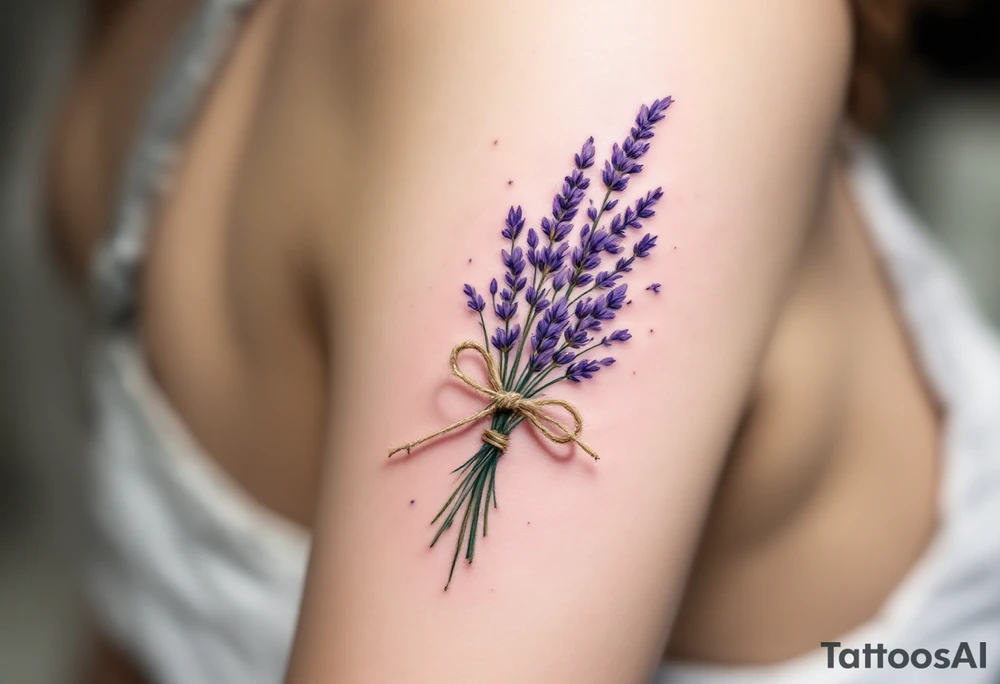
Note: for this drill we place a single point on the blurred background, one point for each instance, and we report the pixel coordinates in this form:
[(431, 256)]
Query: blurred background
[(943, 139)]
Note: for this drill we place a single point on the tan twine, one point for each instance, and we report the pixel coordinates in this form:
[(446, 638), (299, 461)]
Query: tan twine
[(535, 411)]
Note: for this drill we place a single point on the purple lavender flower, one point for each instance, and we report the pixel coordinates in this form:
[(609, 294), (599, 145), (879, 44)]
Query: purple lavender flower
[(617, 297), (536, 299), (561, 278), (539, 361), (576, 336), (587, 257), (644, 206), (552, 257), (584, 308), (655, 287), (585, 159), (515, 283), (606, 279), (623, 163), (582, 370), (504, 340), (615, 181), (513, 260), (602, 310), (641, 248), (648, 116), (562, 357), (476, 302), (547, 333), (565, 206), (513, 224), (563, 325), (506, 310), (630, 217), (556, 231)]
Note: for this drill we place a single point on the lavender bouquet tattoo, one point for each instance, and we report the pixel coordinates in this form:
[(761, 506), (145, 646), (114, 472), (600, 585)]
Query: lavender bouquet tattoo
[(559, 297)]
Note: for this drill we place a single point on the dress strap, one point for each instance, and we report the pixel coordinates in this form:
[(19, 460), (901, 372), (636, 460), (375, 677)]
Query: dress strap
[(194, 61)]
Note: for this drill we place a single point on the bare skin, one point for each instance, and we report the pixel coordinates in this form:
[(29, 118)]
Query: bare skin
[(232, 331)]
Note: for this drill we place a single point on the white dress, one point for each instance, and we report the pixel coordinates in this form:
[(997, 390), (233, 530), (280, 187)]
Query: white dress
[(201, 585)]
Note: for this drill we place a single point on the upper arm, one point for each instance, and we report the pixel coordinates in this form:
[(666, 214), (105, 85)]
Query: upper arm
[(465, 110)]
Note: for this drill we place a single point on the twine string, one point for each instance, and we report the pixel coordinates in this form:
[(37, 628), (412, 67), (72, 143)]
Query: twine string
[(536, 411)]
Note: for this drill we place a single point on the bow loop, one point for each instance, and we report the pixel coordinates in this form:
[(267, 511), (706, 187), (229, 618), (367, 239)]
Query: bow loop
[(533, 410)]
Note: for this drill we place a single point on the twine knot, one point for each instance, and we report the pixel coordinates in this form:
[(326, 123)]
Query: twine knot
[(535, 411), (507, 401)]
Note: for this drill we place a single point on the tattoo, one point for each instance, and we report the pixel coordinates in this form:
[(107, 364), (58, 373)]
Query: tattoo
[(568, 301)]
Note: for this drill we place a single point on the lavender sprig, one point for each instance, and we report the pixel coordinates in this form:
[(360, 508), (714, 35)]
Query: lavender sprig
[(567, 302)]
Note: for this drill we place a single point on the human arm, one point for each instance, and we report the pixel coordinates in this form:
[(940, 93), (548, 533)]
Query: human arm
[(585, 561)]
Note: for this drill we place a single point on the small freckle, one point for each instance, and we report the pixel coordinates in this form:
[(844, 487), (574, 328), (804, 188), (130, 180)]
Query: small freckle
[(510, 182), (413, 501), (495, 142), (470, 261), (650, 330)]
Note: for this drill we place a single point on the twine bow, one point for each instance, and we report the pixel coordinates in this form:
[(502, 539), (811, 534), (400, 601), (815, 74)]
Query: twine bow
[(535, 411)]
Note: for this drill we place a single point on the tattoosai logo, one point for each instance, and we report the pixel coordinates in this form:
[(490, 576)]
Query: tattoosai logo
[(879, 657)]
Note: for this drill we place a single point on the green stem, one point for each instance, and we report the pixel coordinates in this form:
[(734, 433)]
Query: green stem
[(486, 337), (530, 390), (549, 384), (477, 498), (458, 546), (473, 491), (506, 327), (458, 496), (593, 227), (512, 370)]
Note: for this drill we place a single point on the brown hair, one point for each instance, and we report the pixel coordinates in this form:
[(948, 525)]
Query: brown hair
[(881, 30)]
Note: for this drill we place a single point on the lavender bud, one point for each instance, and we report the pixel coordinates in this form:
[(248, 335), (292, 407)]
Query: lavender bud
[(624, 265), (563, 357), (585, 159), (606, 280), (562, 230), (513, 224), (617, 297), (538, 362), (585, 369), (641, 248), (612, 179), (476, 302), (506, 310)]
